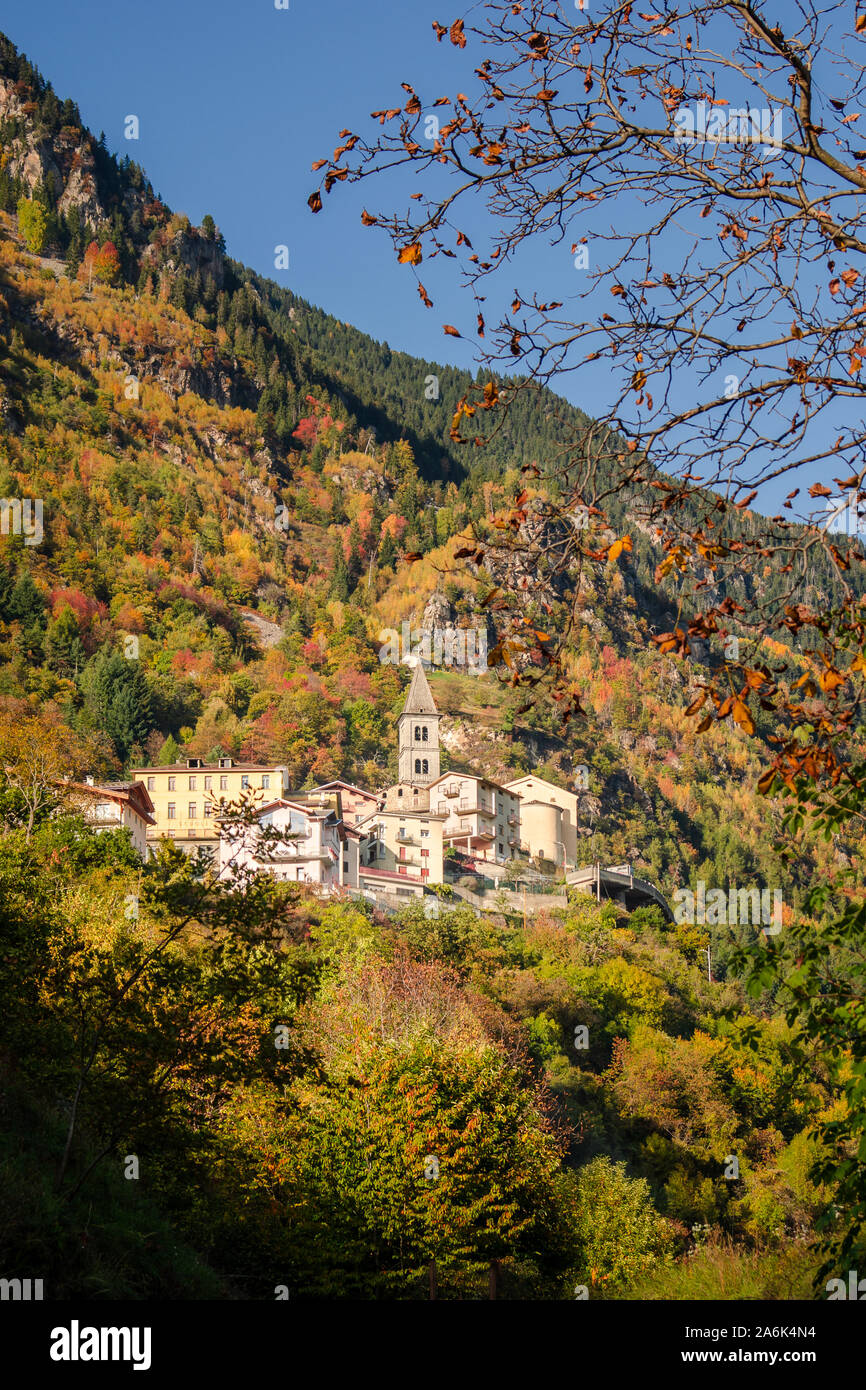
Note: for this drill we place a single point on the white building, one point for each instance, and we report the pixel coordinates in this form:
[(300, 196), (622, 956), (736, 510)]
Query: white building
[(115, 806), (311, 852)]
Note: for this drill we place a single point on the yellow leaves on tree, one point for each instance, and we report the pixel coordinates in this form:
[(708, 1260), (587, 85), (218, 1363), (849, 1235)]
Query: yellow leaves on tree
[(624, 543)]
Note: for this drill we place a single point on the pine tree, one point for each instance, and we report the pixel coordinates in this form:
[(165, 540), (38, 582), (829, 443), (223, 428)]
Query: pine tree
[(340, 577), (117, 700), (64, 649), (168, 753), (26, 604)]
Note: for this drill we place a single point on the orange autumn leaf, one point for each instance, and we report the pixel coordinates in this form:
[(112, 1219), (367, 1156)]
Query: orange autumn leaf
[(741, 714), (624, 543), (830, 679)]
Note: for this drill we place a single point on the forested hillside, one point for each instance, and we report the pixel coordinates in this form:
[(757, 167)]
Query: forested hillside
[(209, 451)]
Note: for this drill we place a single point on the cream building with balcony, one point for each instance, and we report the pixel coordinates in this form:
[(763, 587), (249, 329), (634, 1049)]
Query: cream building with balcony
[(186, 796), (402, 845), (480, 818)]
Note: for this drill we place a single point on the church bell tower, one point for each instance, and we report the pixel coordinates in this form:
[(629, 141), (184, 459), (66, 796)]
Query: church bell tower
[(418, 734)]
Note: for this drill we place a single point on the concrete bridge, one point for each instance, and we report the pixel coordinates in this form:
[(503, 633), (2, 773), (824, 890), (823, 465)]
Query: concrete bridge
[(620, 884)]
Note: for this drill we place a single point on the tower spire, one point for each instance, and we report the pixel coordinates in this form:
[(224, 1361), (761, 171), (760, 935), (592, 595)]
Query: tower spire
[(418, 733), (419, 699)]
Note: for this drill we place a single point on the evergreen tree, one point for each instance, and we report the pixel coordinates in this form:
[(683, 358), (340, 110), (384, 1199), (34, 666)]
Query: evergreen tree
[(7, 582), (340, 577), (64, 649), (117, 700), (26, 604), (168, 753)]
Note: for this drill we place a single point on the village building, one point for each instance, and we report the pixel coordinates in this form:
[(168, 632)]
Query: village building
[(186, 796), (480, 818), (548, 819), (357, 804), (406, 844), (308, 846), (418, 735), (114, 806)]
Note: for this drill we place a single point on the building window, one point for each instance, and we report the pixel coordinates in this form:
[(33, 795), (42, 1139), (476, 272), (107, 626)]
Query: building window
[(425, 834), (208, 783), (151, 784), (224, 783), (400, 869), (191, 811), (425, 766), (499, 847), (171, 783), (171, 810), (417, 767), (425, 854), (245, 782), (417, 733), (192, 784), (266, 782)]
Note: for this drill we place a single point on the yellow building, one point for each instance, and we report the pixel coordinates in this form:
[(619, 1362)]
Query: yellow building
[(186, 796)]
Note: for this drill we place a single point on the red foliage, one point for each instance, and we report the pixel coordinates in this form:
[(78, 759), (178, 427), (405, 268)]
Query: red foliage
[(313, 652), (307, 431)]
